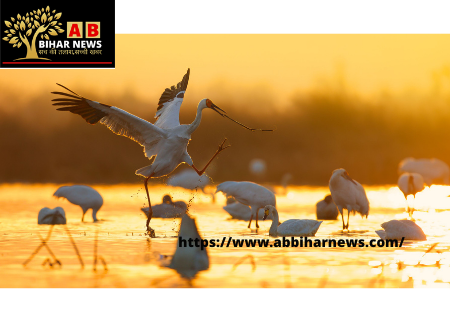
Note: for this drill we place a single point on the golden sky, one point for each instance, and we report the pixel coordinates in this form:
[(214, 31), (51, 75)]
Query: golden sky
[(146, 64)]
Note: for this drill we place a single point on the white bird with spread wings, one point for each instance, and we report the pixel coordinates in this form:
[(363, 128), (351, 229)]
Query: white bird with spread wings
[(165, 142)]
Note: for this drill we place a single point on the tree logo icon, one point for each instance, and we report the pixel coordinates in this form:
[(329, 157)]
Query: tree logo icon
[(30, 26)]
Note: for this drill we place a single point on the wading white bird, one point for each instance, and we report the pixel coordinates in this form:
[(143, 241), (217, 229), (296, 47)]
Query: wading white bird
[(291, 227), (168, 208), (250, 194), (397, 229), (241, 211), (187, 260), (410, 183), (189, 179), (326, 209), (83, 196), (432, 170), (349, 194), (52, 216), (165, 142)]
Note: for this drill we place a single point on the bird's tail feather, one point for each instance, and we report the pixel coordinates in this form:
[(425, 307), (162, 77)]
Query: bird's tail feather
[(144, 171)]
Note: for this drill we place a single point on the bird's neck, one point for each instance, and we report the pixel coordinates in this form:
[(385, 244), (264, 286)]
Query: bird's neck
[(198, 118), (275, 220)]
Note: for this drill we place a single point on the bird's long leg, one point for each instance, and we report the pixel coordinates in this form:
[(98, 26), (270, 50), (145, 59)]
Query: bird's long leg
[(341, 211), (256, 220), (84, 212), (150, 231), (250, 222), (221, 148), (348, 218), (94, 214)]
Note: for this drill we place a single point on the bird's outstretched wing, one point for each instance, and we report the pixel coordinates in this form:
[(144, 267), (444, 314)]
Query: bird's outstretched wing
[(117, 120), (168, 112)]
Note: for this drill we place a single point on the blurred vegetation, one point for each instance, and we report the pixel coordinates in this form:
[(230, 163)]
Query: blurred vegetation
[(316, 132)]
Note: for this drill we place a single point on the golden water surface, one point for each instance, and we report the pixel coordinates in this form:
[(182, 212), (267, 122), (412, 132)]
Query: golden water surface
[(133, 260)]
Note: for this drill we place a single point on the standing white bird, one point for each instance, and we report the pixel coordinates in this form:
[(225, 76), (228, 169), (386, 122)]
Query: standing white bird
[(165, 142), (349, 194), (291, 227), (83, 196), (326, 209), (432, 170), (410, 183), (250, 194), (189, 179), (189, 260), (168, 208), (398, 229), (52, 216)]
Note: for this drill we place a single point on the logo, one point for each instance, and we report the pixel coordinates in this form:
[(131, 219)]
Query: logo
[(27, 28), (58, 35)]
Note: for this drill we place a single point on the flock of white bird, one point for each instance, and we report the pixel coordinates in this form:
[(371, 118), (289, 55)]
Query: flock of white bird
[(83, 196), (165, 145), (247, 200), (349, 194)]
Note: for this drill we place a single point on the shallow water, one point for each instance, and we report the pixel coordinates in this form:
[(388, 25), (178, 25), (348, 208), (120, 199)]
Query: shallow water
[(133, 260)]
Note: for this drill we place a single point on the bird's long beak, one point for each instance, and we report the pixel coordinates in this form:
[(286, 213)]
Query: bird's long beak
[(347, 176), (217, 109), (224, 114)]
